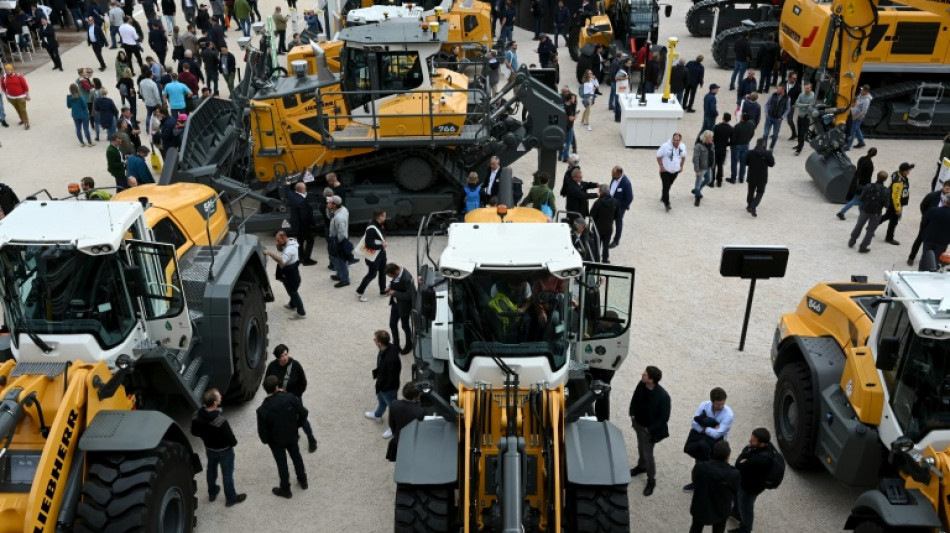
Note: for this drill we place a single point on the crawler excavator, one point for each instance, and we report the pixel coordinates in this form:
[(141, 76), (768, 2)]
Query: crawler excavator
[(111, 308), (401, 132), (902, 51), (729, 14), (507, 319)]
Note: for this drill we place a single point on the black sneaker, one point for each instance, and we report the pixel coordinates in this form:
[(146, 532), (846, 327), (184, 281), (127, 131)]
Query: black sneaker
[(283, 493), (648, 490), (303, 484), (237, 499), (863, 250), (334, 277), (840, 216), (892, 241), (313, 446), (341, 284)]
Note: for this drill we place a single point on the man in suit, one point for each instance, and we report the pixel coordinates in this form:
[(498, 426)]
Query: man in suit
[(401, 290), (490, 180), (96, 38), (277, 421), (49, 42), (650, 415), (134, 129), (716, 483), (301, 221), (577, 195), (622, 190), (227, 66), (116, 163)]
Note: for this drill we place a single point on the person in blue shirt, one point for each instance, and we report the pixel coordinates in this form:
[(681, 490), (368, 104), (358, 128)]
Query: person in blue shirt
[(136, 167), (713, 411), (176, 93)]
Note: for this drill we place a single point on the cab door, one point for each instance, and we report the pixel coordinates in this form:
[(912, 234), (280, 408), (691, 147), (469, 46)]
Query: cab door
[(606, 303), (158, 287)]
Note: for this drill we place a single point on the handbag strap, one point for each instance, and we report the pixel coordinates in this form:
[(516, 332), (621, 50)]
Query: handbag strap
[(290, 366)]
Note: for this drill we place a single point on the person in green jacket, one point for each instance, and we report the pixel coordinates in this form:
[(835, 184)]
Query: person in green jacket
[(116, 164), (280, 28), (242, 11), (540, 196)]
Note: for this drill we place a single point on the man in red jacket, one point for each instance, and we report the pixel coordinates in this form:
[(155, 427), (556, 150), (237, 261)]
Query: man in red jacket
[(18, 93)]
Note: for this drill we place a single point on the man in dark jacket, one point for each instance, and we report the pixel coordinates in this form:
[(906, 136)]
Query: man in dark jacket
[(491, 178), (742, 135), (96, 38), (722, 140), (776, 108), (209, 425), (622, 191), (792, 89), (758, 161), (301, 221), (650, 415), (768, 55), (747, 85), (401, 291), (899, 198), (873, 198), (576, 191), (278, 418), (386, 375), (604, 214), (931, 200), (936, 229), (710, 112), (862, 176), (679, 79), (696, 74), (401, 413), (742, 50), (715, 485), (292, 379), (754, 465), (48, 40)]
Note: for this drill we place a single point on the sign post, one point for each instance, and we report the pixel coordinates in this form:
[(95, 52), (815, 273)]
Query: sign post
[(752, 263)]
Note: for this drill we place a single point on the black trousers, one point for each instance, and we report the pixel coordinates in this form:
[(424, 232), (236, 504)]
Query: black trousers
[(54, 57), (892, 217), (802, 131), (790, 118), (97, 49), (717, 172), (305, 237), (281, 36), (280, 453), (756, 191), (689, 96), (131, 50), (668, 178), (697, 527), (395, 319)]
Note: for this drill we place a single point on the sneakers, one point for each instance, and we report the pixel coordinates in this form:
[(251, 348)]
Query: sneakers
[(283, 493), (372, 416), (341, 284), (388, 434), (237, 499), (589, 128), (840, 216), (362, 297), (862, 145), (297, 316)]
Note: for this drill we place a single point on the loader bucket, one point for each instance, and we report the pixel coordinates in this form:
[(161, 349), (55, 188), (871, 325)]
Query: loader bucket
[(832, 173), (209, 141)]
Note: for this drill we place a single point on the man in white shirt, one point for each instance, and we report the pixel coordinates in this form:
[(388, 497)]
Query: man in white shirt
[(670, 157), (130, 42), (116, 16), (490, 182), (288, 271)]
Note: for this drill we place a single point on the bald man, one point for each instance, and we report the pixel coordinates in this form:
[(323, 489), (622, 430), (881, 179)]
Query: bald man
[(301, 221)]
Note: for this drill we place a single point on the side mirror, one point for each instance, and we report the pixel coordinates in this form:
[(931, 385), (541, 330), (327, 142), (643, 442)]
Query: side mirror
[(887, 349), (668, 10)]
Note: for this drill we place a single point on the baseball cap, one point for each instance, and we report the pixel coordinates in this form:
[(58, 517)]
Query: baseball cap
[(182, 117), (713, 86), (335, 200), (906, 166)]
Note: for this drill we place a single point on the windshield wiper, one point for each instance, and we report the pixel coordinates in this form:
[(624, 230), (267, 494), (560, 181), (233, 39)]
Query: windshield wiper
[(18, 318)]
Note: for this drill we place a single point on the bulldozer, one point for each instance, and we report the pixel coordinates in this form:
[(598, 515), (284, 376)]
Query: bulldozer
[(507, 321), (400, 131), (864, 390), (900, 50), (113, 309), (622, 24)]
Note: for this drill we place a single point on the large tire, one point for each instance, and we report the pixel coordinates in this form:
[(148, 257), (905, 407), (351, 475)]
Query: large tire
[(425, 509), (795, 416), (870, 526), (598, 509), (248, 341), (573, 42), (144, 492)]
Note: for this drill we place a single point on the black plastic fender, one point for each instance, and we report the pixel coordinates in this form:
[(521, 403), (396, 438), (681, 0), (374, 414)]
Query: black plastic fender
[(823, 355), (874, 504), (428, 453), (133, 431), (595, 454)]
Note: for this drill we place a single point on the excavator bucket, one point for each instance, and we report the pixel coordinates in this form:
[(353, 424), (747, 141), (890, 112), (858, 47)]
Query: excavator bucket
[(209, 142), (832, 173)]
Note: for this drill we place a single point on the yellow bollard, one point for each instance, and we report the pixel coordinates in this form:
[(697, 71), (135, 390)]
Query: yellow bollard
[(671, 54)]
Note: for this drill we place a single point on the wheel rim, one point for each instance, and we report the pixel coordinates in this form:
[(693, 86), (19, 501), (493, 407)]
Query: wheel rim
[(252, 343), (172, 517), (789, 420)]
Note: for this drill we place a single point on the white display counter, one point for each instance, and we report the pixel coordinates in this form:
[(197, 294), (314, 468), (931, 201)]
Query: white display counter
[(650, 125)]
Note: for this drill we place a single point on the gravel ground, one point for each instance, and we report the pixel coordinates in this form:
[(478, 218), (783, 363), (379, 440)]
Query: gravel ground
[(687, 318)]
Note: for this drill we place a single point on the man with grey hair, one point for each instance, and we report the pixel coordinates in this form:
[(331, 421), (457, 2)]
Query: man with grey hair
[(577, 195), (604, 214), (679, 79), (703, 160), (340, 241), (491, 179)]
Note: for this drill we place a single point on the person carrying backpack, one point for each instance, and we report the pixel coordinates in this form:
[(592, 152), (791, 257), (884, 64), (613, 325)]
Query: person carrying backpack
[(757, 472), (873, 199), (472, 199)]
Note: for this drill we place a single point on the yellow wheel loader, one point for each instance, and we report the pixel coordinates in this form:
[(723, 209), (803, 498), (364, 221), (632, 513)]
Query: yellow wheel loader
[(507, 322), (112, 308), (864, 390)]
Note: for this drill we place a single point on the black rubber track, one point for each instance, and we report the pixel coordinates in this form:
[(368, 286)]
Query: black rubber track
[(598, 509), (425, 509), (722, 45), (124, 492)]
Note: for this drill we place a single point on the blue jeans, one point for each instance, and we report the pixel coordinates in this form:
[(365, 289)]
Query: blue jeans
[(82, 126), (342, 268), (855, 133), (211, 81), (245, 26), (113, 33), (226, 460), (149, 111), (611, 100), (744, 507), (3, 110), (738, 158), (558, 31), (702, 180), (772, 124), (506, 34), (618, 224), (384, 398), (568, 139), (738, 70), (854, 201)]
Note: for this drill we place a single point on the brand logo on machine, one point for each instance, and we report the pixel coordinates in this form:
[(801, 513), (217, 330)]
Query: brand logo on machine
[(816, 307), (797, 10), (445, 128), (55, 473), (207, 208)]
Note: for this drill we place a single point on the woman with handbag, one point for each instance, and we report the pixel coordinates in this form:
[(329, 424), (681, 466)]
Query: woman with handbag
[(373, 248)]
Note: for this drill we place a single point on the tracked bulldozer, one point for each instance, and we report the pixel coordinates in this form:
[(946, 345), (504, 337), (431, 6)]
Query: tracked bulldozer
[(112, 309)]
